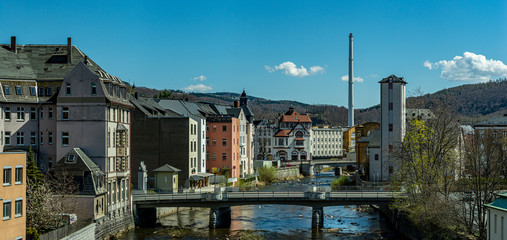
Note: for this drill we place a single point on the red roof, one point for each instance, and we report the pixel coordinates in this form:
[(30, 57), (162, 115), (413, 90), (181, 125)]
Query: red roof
[(282, 133), (294, 116)]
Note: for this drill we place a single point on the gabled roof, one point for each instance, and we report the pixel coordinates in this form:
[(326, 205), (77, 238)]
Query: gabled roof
[(150, 108), (374, 139), (166, 168), (496, 121), (294, 116), (283, 133), (394, 79), (234, 112)]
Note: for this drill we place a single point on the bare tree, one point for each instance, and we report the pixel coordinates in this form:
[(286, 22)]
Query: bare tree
[(485, 161)]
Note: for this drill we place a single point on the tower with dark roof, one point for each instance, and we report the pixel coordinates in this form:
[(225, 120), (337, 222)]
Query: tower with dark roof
[(243, 100)]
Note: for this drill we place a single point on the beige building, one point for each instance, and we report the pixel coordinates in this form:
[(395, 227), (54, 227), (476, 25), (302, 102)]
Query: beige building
[(55, 99), (13, 195), (166, 179), (327, 142)]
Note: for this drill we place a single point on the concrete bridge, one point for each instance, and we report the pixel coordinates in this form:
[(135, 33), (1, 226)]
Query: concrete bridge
[(309, 168), (220, 202)]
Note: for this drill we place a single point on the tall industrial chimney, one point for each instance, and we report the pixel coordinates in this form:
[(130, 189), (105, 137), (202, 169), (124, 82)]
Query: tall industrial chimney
[(69, 50), (351, 85)]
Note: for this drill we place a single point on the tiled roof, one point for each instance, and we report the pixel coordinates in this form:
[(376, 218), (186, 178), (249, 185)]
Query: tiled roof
[(150, 108), (283, 133), (295, 117), (496, 121), (394, 79)]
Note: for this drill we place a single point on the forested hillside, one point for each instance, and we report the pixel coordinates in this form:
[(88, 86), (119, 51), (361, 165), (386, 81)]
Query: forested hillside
[(470, 102)]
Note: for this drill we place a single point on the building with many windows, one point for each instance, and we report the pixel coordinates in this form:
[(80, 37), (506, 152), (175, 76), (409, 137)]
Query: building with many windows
[(223, 140), (55, 99), (13, 195), (327, 142)]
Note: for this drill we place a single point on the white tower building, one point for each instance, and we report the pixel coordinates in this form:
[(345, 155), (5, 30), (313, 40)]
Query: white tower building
[(392, 123)]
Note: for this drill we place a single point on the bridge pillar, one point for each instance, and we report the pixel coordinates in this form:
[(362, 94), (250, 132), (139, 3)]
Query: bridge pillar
[(220, 217), (317, 217), (308, 169), (145, 217)]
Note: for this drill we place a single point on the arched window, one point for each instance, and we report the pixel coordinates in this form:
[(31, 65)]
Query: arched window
[(299, 134), (294, 156), (303, 156)]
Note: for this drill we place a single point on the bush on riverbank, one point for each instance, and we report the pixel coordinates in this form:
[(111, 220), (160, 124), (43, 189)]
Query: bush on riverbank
[(341, 181), (267, 174)]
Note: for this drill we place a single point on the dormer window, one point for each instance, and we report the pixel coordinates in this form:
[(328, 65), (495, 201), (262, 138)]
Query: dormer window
[(7, 90), (94, 89), (19, 90), (32, 91), (48, 91), (40, 92), (67, 89), (71, 158)]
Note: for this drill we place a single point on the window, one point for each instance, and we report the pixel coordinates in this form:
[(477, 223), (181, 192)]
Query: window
[(390, 127), (224, 156), (65, 113), (21, 113), (214, 128), (7, 209), (224, 142), (7, 113), (376, 156), (49, 91), (33, 113), (20, 138), (207, 142), (33, 138), (18, 207), (7, 138), (19, 90), (299, 143), (7, 90), (390, 169), (224, 128), (50, 112), (214, 157), (50, 137), (67, 89), (41, 140), (214, 142), (7, 176), (390, 106), (65, 139), (94, 89), (40, 92), (32, 91), (41, 113), (71, 158)]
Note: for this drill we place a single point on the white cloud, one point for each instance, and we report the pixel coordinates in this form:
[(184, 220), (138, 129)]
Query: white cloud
[(198, 88), (289, 68), (200, 78), (356, 79), (469, 67)]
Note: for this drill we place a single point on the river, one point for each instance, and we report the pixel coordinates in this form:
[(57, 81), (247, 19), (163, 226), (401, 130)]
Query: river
[(274, 221)]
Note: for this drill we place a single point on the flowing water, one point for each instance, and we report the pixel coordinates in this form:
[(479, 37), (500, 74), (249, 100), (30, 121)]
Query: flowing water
[(274, 221)]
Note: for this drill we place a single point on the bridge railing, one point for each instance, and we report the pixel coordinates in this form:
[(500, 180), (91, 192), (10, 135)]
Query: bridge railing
[(237, 195)]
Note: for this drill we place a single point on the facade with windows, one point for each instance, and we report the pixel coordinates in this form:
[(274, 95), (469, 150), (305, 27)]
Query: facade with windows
[(287, 139), (13, 195), (223, 134), (327, 142), (393, 121), (55, 99)]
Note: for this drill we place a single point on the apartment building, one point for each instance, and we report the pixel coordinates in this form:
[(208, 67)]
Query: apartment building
[(13, 195), (166, 137), (263, 138), (223, 141), (327, 142), (55, 99)]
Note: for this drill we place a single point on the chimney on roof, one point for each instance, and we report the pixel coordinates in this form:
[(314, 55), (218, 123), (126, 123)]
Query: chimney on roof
[(86, 60), (236, 104), (136, 95), (14, 46), (69, 50)]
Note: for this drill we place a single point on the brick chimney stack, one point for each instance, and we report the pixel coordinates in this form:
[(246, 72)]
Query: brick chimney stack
[(236, 104), (69, 50), (14, 46)]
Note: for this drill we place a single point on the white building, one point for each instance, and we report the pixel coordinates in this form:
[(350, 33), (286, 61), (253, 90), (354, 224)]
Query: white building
[(393, 123), (289, 139), (497, 218), (327, 142)]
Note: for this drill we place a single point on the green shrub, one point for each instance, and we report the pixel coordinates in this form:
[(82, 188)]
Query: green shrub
[(267, 174), (342, 181), (32, 233)]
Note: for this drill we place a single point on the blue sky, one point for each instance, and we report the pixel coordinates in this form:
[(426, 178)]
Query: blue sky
[(260, 46)]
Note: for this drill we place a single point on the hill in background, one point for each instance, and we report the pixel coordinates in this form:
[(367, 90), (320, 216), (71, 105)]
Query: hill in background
[(471, 102)]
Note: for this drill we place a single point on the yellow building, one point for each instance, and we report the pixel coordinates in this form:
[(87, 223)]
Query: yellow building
[(349, 139), (13, 195)]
